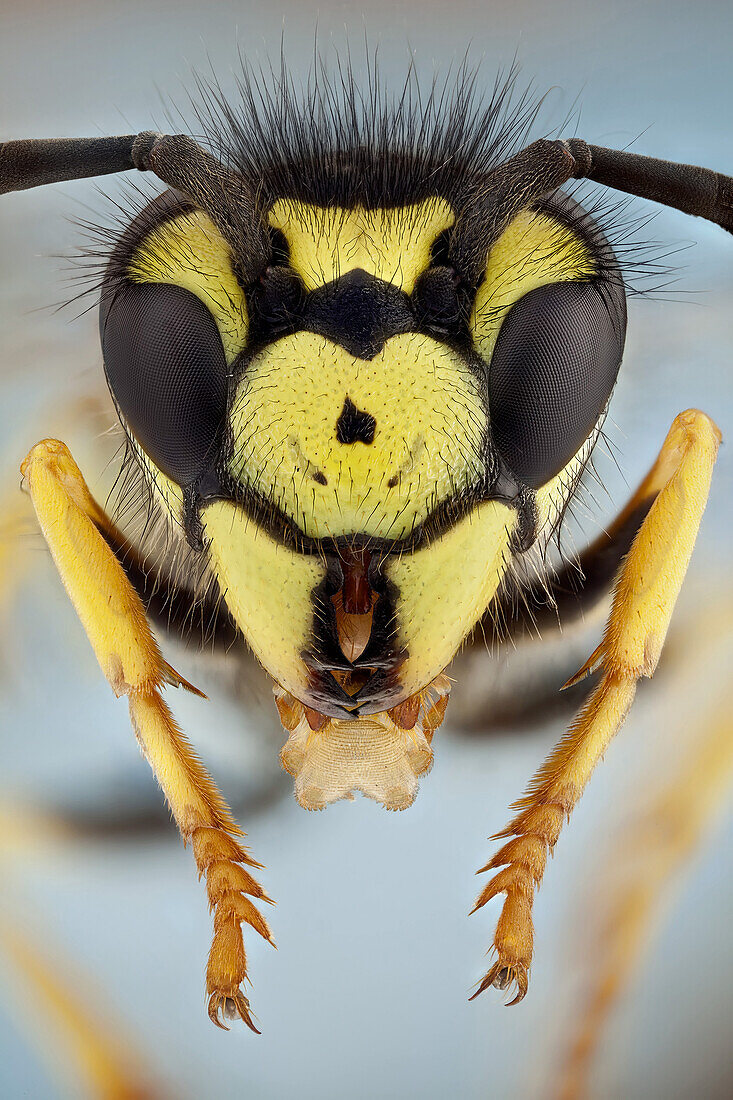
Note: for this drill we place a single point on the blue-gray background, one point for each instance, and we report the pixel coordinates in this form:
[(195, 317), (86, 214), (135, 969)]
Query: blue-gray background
[(367, 993)]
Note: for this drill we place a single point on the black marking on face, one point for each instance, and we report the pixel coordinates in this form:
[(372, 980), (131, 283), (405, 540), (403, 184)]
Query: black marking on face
[(358, 311), (441, 304), (354, 425)]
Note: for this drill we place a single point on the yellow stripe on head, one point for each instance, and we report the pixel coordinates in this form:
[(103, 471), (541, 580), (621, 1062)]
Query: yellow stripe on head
[(391, 244), (534, 250), (190, 252)]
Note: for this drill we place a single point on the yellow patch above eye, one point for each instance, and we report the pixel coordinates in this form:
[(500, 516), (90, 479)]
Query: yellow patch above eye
[(534, 250), (190, 252), (391, 244)]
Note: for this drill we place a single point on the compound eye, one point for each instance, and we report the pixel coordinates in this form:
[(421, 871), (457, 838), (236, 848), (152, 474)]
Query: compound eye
[(167, 371), (552, 372)]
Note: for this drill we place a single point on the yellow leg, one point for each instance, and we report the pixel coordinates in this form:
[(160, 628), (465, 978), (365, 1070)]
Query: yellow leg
[(656, 847), (115, 622), (645, 595)]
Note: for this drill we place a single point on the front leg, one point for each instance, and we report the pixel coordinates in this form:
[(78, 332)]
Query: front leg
[(644, 598), (114, 619)]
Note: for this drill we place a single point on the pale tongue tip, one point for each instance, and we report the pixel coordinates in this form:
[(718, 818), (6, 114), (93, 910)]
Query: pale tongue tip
[(373, 755)]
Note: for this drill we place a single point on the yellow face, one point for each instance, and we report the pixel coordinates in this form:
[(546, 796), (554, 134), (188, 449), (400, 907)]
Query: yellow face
[(415, 392), (359, 547)]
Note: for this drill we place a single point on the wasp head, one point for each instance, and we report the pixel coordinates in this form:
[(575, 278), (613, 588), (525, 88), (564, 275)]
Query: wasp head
[(364, 415)]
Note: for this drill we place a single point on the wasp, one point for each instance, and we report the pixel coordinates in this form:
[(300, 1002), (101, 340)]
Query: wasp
[(362, 353)]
